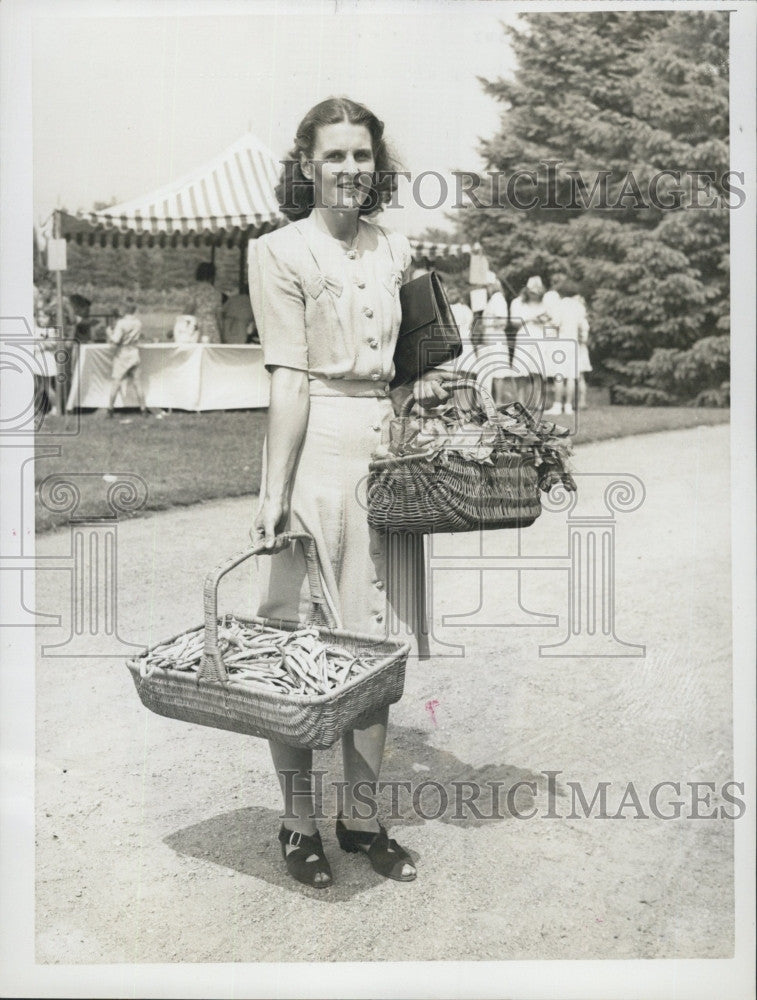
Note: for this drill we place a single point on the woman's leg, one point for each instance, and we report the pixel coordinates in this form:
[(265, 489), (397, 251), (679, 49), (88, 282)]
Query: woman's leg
[(137, 381), (581, 392), (558, 396), (570, 393), (293, 768), (362, 752), (115, 385)]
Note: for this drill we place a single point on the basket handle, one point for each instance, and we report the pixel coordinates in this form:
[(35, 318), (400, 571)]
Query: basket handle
[(211, 665), (487, 403)]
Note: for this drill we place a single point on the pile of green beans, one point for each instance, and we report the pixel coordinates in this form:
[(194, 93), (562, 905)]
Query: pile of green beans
[(290, 662)]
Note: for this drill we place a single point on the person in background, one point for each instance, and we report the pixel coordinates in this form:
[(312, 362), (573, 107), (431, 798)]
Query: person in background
[(44, 355), (237, 317), (81, 307), (207, 303), (573, 325), (551, 303), (552, 299), (125, 336), (530, 317), (464, 318), (494, 326)]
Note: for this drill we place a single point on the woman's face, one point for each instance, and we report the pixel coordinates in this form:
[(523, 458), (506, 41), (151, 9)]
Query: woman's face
[(341, 166)]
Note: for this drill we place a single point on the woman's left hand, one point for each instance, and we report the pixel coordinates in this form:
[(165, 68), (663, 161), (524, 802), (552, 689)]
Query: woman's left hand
[(430, 388)]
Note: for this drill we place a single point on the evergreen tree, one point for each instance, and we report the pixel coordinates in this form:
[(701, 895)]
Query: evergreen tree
[(617, 99)]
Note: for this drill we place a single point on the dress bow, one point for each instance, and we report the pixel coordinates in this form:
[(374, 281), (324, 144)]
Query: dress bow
[(317, 284)]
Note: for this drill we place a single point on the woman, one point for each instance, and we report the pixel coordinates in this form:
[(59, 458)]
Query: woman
[(207, 304), (125, 335), (325, 294), (573, 325), (530, 316), (496, 375)]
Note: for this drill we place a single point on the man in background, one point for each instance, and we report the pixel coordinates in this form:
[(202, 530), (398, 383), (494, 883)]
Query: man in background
[(237, 320)]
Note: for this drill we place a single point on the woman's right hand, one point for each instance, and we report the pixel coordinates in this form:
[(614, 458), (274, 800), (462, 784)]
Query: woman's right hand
[(270, 523)]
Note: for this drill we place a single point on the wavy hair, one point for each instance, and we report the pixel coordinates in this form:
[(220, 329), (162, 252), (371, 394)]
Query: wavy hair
[(296, 194)]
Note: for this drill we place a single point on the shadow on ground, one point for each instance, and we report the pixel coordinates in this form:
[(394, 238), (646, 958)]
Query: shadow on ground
[(245, 840)]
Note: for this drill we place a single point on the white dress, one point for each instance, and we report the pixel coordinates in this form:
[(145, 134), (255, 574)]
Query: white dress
[(493, 359), (574, 325), (334, 312), (528, 354)]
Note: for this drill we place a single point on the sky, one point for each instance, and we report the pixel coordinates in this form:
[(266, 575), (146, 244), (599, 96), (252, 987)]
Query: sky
[(125, 104)]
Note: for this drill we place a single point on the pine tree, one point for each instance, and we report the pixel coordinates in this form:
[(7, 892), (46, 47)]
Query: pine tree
[(618, 98)]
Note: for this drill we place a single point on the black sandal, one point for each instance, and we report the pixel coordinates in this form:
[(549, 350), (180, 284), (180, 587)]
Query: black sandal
[(385, 855), (297, 862)]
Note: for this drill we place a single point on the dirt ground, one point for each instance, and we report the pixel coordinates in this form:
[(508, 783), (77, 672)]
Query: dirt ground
[(156, 840)]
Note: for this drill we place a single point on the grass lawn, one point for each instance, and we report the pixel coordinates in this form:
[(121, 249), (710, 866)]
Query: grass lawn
[(189, 458)]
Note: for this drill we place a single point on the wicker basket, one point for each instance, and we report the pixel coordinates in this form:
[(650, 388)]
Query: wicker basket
[(212, 698), (450, 493)]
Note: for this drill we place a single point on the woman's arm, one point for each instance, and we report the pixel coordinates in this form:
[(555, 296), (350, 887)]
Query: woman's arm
[(288, 413), (278, 304)]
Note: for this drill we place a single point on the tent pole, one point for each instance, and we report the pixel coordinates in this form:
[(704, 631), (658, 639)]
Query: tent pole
[(60, 380)]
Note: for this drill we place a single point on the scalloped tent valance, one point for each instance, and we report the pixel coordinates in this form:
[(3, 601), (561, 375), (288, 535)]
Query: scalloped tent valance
[(224, 203)]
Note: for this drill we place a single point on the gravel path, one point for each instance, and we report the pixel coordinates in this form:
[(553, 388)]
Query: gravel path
[(156, 841)]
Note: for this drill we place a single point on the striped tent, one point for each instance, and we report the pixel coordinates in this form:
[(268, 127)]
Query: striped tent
[(443, 255), (225, 202)]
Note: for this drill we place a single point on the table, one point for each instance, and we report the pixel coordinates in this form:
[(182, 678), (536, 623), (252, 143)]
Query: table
[(176, 376)]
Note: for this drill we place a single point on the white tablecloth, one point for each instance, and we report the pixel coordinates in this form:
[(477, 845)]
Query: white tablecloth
[(176, 376)]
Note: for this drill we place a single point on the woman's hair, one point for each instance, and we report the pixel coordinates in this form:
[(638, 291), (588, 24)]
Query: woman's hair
[(568, 288), (206, 271), (296, 194), (129, 306)]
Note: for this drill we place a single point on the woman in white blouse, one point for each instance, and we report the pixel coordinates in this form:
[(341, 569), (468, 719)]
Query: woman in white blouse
[(325, 294)]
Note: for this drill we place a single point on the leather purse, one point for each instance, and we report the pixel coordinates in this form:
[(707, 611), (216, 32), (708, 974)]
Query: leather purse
[(428, 333)]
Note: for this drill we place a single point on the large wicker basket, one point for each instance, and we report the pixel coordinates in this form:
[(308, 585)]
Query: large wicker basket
[(212, 698), (450, 493)]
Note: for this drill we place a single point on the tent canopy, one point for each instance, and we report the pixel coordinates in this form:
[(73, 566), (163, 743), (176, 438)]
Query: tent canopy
[(226, 202)]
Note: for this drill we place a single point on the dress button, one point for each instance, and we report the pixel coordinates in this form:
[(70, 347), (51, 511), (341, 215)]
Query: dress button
[(368, 312), (379, 618), (359, 283), (379, 584), (373, 342), (375, 376), (351, 254), (377, 428)]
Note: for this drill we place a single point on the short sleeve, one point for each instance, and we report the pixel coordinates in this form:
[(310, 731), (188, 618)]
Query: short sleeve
[(278, 306), (403, 254)]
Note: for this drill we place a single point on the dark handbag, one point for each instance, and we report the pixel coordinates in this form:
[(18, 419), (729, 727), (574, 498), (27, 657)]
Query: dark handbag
[(428, 333)]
